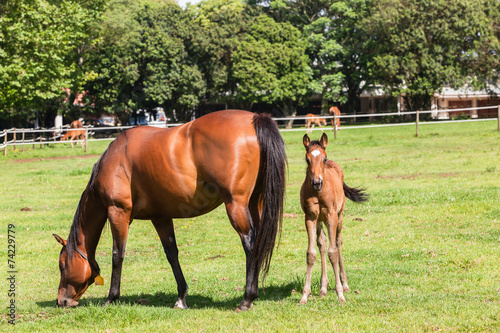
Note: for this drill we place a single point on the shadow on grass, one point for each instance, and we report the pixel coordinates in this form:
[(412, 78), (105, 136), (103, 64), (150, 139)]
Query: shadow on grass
[(194, 301)]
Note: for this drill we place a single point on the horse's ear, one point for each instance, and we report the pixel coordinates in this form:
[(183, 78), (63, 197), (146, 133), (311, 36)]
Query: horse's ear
[(324, 140), (306, 141), (60, 240)]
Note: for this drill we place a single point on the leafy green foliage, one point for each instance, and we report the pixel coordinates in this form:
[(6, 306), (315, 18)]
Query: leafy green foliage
[(147, 64), (41, 45), (424, 45), (218, 26), (271, 66)]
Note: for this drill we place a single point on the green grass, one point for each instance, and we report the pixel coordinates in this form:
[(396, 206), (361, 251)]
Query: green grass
[(422, 255)]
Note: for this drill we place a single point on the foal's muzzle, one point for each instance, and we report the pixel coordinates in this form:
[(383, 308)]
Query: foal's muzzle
[(317, 184)]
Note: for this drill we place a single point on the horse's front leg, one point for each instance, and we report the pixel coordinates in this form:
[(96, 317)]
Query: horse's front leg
[(165, 229), (119, 221)]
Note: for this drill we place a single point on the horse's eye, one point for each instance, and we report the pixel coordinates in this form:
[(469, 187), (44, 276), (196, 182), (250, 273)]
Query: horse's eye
[(326, 159)]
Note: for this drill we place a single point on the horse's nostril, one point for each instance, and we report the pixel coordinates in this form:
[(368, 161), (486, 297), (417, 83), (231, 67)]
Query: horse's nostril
[(65, 302), (57, 303)]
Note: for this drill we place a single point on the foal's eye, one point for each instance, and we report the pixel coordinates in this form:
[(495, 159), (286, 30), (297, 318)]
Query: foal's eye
[(324, 161)]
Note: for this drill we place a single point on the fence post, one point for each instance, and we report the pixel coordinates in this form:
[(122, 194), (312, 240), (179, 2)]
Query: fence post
[(34, 137), (86, 136), (417, 120), (41, 140), (334, 125), (15, 134), (5, 142), (23, 139), (498, 116)]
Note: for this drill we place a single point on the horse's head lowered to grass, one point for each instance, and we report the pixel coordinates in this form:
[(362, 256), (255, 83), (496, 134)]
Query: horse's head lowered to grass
[(77, 274)]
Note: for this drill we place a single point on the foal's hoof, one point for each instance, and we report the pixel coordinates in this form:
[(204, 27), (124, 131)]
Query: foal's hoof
[(303, 301), (341, 297), (323, 293)]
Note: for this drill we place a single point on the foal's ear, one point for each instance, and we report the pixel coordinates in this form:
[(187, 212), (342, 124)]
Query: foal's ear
[(60, 240), (324, 140), (306, 141)]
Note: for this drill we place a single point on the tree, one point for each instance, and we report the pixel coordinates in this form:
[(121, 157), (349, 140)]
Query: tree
[(218, 26), (41, 45), (147, 64), (423, 46), (339, 50), (270, 65)]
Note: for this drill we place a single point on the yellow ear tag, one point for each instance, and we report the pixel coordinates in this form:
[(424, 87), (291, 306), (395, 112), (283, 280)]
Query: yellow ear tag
[(99, 281)]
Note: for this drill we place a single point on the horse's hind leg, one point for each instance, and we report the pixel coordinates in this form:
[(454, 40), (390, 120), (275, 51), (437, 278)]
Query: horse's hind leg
[(165, 229), (323, 246), (119, 220), (311, 257), (241, 220)]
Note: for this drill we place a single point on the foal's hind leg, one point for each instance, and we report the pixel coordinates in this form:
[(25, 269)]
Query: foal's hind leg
[(119, 220), (165, 229), (343, 275)]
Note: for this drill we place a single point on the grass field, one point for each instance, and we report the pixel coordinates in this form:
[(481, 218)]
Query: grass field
[(422, 255)]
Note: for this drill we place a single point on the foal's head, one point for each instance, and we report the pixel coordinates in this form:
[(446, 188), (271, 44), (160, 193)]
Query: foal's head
[(316, 160), (76, 276)]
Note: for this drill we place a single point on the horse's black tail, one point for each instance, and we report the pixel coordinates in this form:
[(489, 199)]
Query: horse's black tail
[(355, 194), (273, 162)]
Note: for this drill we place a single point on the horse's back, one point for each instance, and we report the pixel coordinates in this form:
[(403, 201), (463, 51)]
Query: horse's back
[(182, 171)]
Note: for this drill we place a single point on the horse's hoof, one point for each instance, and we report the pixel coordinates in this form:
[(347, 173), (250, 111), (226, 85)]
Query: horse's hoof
[(303, 302), (341, 298), (323, 293), (243, 308)]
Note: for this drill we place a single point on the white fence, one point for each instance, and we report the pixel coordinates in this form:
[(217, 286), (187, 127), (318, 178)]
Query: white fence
[(23, 137)]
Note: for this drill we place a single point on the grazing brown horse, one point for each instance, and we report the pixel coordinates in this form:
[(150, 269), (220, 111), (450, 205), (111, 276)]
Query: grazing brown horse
[(335, 111), (322, 198), (75, 134), (232, 157), (314, 120)]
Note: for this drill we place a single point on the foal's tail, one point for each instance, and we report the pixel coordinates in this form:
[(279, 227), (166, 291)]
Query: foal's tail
[(273, 162), (355, 194)]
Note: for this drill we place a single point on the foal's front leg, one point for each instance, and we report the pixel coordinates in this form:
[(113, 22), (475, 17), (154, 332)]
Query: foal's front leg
[(323, 246), (311, 257), (334, 254)]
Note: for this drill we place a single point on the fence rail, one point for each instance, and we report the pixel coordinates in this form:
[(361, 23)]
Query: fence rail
[(35, 136)]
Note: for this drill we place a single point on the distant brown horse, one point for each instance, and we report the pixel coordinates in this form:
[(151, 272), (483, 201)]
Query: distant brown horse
[(322, 198), (75, 134), (335, 111), (312, 119), (232, 157)]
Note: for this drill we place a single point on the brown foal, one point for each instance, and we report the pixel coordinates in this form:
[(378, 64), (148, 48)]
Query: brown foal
[(322, 198)]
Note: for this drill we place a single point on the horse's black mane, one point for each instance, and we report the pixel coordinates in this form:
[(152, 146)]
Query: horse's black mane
[(74, 231)]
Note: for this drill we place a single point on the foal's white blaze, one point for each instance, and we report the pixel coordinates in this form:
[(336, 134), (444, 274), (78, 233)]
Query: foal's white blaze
[(315, 153)]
